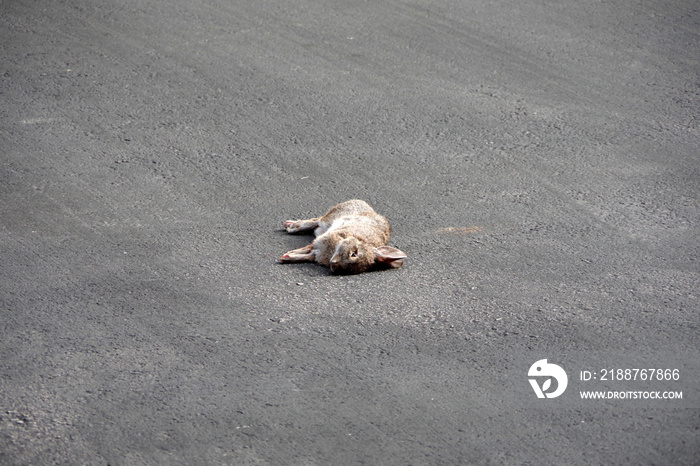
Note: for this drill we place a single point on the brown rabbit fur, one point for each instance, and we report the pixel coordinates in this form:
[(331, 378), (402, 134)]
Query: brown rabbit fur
[(350, 238)]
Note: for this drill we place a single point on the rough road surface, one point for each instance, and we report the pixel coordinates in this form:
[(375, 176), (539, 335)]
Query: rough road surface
[(538, 162)]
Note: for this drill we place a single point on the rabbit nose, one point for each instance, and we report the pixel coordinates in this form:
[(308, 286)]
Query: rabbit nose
[(335, 262)]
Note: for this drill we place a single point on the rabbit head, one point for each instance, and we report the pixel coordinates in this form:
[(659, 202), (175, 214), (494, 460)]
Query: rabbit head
[(353, 255)]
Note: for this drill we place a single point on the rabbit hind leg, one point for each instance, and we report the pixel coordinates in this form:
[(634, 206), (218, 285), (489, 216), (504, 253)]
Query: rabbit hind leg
[(296, 226)]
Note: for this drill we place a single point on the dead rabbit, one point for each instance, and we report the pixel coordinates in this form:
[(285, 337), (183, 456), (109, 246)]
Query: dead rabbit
[(350, 238)]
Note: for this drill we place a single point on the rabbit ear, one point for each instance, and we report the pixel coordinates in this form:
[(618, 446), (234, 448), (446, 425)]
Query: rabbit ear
[(389, 256)]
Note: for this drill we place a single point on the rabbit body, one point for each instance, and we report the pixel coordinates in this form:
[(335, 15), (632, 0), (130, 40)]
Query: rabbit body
[(350, 238)]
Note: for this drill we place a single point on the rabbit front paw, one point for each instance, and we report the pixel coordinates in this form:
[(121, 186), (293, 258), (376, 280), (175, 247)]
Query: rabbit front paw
[(305, 254)]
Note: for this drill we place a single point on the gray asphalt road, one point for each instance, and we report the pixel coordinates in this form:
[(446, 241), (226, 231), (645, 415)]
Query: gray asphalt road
[(538, 162)]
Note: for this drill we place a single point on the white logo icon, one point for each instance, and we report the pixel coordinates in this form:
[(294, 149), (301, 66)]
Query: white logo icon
[(549, 371)]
